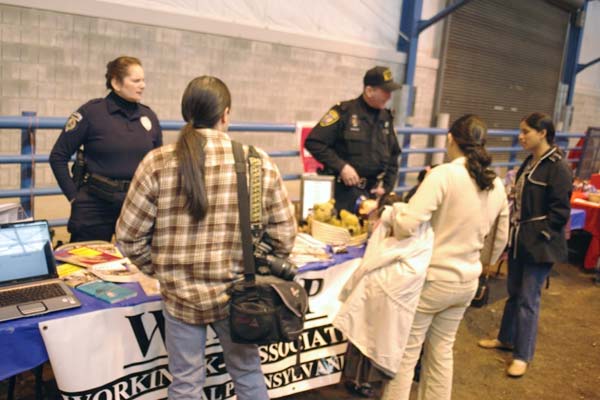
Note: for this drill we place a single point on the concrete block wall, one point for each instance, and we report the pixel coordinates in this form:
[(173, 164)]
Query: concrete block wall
[(52, 62), (425, 81), (10, 143), (587, 110)]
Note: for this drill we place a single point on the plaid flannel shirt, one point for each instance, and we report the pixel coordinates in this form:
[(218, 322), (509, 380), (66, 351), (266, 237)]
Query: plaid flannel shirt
[(197, 263)]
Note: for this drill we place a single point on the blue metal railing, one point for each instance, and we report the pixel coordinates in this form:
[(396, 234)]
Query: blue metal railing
[(29, 122)]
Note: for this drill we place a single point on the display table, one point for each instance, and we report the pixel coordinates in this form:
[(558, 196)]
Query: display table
[(591, 225), (99, 348), (595, 180), (577, 220), (21, 345)]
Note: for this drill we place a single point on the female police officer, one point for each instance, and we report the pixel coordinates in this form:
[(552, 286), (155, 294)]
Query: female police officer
[(115, 133)]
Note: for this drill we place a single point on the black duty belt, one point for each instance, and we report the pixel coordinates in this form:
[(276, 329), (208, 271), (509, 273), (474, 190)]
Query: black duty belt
[(107, 184)]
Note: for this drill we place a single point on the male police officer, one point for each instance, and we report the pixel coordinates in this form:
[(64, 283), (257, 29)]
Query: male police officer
[(356, 142)]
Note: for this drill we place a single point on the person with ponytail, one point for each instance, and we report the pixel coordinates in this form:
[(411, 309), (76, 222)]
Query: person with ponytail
[(461, 199), (180, 223), (540, 212)]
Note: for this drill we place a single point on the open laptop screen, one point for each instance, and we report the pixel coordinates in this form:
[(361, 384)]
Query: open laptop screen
[(25, 252)]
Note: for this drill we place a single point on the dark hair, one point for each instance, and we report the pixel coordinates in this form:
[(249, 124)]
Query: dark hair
[(421, 175), (203, 103), (539, 122), (423, 172), (118, 69), (469, 133)]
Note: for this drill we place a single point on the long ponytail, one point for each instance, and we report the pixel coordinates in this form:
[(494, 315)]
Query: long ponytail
[(190, 154), (204, 102), (469, 133)]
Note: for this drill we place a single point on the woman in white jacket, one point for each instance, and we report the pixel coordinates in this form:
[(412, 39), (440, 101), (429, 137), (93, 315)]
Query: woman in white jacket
[(461, 199)]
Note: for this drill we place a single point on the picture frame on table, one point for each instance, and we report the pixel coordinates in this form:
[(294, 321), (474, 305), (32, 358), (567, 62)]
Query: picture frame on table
[(315, 189)]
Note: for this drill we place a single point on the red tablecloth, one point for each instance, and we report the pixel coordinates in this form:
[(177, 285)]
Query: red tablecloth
[(595, 180), (592, 225)]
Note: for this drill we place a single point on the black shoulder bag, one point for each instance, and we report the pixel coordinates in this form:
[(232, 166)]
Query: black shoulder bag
[(482, 296), (263, 309)]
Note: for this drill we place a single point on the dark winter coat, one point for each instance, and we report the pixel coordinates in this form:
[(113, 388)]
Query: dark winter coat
[(539, 235)]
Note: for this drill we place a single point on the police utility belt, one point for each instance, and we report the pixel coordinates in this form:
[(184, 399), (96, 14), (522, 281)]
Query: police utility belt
[(102, 187), (107, 184), (105, 188)]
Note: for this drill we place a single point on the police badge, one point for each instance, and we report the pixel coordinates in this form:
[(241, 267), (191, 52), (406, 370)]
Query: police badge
[(72, 121), (146, 123)]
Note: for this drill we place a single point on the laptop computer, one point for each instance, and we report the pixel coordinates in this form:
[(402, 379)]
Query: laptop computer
[(29, 284)]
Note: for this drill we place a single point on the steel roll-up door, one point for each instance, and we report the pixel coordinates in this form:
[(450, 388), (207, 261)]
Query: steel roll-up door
[(502, 60)]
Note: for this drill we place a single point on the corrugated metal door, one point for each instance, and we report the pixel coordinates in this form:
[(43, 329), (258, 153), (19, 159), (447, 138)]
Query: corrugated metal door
[(502, 60)]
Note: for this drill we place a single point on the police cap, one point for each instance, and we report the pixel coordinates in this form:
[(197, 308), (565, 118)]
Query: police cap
[(381, 77)]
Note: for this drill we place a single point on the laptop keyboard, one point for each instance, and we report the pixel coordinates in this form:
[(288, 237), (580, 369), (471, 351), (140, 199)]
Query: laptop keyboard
[(31, 293)]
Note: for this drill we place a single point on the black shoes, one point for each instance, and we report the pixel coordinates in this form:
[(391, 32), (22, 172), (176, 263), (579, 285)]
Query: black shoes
[(363, 389)]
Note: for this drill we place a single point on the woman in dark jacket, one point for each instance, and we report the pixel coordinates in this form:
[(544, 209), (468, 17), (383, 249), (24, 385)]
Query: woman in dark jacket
[(115, 133), (540, 212)]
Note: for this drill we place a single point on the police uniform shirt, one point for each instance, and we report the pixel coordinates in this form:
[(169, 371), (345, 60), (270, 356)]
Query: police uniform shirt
[(116, 135), (354, 133)]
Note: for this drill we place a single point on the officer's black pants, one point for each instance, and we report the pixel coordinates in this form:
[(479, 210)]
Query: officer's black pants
[(346, 197), (92, 218)]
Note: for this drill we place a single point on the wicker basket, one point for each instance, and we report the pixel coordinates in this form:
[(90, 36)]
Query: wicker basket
[(335, 235), (358, 240)]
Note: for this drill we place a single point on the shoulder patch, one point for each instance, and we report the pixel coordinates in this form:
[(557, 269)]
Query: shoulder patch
[(73, 120), (330, 118)]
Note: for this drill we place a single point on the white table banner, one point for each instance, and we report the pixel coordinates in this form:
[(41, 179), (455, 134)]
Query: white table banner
[(119, 353)]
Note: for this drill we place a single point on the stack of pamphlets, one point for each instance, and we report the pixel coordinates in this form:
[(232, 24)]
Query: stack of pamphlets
[(93, 260), (101, 258), (308, 249)]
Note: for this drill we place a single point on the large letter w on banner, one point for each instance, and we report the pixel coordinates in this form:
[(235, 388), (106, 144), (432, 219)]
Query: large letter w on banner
[(139, 329)]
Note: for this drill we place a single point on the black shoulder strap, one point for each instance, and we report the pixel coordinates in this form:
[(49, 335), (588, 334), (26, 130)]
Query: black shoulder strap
[(244, 210)]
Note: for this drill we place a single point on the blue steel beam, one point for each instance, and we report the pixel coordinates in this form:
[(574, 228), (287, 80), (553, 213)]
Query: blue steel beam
[(581, 67), (573, 48), (409, 25), (411, 13), (44, 158), (27, 174), (33, 122), (20, 122), (424, 24)]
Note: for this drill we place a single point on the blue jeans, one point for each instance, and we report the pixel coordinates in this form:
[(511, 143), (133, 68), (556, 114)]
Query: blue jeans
[(522, 309), (186, 349)]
